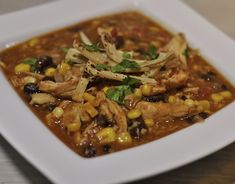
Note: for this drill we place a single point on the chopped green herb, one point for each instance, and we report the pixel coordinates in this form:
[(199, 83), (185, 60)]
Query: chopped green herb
[(152, 52), (130, 81), (121, 67), (31, 62), (118, 68), (126, 55), (186, 53), (102, 67), (129, 64), (65, 49), (118, 93), (93, 47)]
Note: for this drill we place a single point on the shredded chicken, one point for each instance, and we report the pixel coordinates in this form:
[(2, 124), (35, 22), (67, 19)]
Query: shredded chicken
[(119, 115), (178, 45), (162, 111), (117, 76), (42, 98), (84, 38), (73, 56), (57, 88), (80, 89)]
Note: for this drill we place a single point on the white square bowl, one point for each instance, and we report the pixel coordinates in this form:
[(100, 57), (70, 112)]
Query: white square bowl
[(61, 165)]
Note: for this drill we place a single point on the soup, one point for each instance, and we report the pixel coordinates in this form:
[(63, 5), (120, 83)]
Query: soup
[(114, 82)]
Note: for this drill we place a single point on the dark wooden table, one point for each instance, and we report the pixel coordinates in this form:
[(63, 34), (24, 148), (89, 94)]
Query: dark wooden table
[(218, 168)]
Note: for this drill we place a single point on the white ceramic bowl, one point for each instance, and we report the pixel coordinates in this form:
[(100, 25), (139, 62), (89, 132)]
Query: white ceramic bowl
[(61, 165)]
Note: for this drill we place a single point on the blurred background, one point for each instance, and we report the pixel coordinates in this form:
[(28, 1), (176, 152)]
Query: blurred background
[(218, 168)]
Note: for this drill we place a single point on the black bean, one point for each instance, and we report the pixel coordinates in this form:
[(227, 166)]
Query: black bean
[(204, 115), (137, 129), (163, 68), (180, 88), (183, 97), (224, 87), (89, 151), (43, 62), (189, 118), (103, 121), (130, 123), (155, 98), (51, 107), (135, 133), (48, 79), (209, 76), (94, 82), (31, 88), (107, 148), (119, 42)]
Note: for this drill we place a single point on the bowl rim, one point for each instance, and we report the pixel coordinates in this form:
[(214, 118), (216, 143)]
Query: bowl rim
[(130, 164)]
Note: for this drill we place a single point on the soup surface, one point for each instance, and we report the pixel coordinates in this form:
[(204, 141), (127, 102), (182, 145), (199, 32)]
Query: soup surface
[(114, 82)]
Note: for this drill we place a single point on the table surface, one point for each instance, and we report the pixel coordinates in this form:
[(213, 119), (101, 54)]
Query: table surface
[(218, 168)]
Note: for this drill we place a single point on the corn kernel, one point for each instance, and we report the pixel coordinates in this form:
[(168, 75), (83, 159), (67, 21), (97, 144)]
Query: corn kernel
[(77, 138), (63, 68), (138, 92), (134, 113), (58, 112), (50, 72), (189, 102), (146, 90), (149, 122), (22, 67), (106, 135), (88, 97), (49, 119), (90, 109), (105, 89), (29, 79), (196, 102), (200, 108), (33, 42), (171, 99), (205, 104), (216, 97), (226, 94), (124, 138), (73, 127)]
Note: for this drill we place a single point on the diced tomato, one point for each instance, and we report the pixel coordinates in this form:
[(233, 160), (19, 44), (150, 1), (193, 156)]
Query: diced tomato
[(204, 92)]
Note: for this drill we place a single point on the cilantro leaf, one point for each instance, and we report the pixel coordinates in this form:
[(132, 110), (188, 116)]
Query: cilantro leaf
[(118, 68), (102, 67), (129, 64), (152, 52), (31, 62), (92, 47), (118, 93), (130, 81), (126, 55), (186, 53), (121, 67)]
